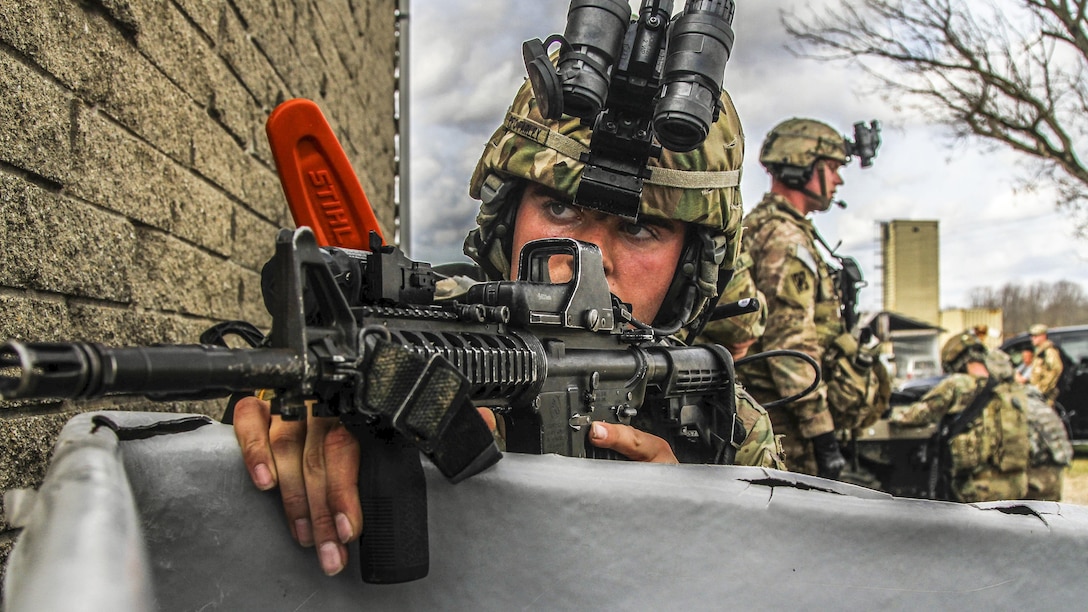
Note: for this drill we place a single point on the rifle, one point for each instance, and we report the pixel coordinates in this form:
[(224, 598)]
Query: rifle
[(355, 332), (330, 362), (360, 335)]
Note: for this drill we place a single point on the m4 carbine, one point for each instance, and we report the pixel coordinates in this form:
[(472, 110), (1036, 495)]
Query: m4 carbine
[(359, 335)]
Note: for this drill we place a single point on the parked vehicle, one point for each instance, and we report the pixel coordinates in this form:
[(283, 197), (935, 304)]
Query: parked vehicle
[(894, 459), (920, 367)]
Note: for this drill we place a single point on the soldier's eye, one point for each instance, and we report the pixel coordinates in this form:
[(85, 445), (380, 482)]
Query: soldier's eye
[(640, 231), (562, 210)]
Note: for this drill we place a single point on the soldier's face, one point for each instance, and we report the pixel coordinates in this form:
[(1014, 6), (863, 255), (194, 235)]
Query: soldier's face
[(825, 181), (639, 258)]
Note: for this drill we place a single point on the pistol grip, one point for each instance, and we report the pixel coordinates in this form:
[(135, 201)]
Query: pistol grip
[(393, 492)]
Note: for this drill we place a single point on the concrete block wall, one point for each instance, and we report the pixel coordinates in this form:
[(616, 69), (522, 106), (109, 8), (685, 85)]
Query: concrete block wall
[(138, 196)]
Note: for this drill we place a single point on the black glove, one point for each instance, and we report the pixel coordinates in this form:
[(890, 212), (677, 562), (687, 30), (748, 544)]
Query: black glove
[(829, 459)]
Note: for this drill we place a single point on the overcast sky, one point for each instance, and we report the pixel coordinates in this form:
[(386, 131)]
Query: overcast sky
[(466, 65)]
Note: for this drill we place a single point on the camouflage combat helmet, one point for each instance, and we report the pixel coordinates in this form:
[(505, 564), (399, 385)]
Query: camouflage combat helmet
[(961, 349), (800, 143), (792, 148), (1000, 366), (700, 187)]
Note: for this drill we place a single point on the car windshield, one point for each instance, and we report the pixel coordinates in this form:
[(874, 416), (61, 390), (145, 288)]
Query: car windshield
[(1075, 345)]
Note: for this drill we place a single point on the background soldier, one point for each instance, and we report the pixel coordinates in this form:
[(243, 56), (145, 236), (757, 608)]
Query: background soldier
[(805, 312), (1046, 368), (1023, 371), (981, 448)]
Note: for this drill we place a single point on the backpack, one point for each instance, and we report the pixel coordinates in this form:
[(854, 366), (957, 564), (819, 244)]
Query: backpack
[(990, 433), (858, 384), (1048, 436)]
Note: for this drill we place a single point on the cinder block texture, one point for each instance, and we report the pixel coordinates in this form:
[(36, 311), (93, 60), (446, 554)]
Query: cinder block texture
[(138, 195)]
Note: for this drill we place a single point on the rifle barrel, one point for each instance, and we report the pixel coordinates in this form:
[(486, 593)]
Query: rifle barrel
[(83, 370)]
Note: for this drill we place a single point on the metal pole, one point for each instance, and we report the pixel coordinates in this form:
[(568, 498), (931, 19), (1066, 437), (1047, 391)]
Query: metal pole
[(404, 187)]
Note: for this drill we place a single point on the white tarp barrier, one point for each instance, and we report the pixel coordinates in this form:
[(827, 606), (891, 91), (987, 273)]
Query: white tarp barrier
[(536, 532)]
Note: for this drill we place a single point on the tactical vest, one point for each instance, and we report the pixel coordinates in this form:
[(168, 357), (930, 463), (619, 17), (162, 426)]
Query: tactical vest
[(996, 439), (828, 309)]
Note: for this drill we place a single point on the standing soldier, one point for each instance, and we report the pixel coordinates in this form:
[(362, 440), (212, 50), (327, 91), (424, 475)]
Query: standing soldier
[(805, 297), (982, 446), (1046, 369)]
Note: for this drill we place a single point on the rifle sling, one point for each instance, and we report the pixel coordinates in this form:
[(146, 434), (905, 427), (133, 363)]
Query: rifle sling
[(951, 426)]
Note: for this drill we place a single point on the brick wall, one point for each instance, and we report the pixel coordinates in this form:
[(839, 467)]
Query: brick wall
[(138, 197)]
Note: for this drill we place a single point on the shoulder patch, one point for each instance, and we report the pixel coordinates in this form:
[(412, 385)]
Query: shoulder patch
[(797, 285), (805, 256)]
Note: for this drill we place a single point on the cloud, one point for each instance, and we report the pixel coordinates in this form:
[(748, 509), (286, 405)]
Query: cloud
[(466, 66)]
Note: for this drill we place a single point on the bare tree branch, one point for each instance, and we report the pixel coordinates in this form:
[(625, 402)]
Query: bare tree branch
[(1014, 76)]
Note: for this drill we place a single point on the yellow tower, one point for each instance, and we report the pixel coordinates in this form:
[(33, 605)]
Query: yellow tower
[(910, 251)]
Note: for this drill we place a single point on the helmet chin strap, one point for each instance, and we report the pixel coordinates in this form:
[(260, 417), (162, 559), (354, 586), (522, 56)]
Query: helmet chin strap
[(680, 297), (822, 198)]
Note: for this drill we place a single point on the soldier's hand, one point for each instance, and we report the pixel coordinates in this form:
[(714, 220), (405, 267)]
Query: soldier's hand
[(315, 463), (489, 419), (739, 349), (635, 444), (632, 443)]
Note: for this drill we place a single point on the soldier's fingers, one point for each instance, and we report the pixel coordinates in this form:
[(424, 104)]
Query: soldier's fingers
[(342, 467), (331, 552), (739, 349), (252, 421), (287, 439), (489, 418), (632, 443)]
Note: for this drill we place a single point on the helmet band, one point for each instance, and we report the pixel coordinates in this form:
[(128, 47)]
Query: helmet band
[(665, 177)]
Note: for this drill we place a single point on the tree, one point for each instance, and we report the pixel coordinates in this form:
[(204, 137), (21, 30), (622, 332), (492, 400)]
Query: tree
[(1057, 304), (1014, 76)]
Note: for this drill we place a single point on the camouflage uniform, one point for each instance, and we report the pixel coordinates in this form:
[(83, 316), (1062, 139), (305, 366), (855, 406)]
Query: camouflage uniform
[(1046, 370), (803, 315), (989, 460), (700, 188), (761, 447), (742, 328)]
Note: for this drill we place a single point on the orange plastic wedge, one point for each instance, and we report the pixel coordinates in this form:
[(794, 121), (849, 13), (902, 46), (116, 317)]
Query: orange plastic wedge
[(321, 187)]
